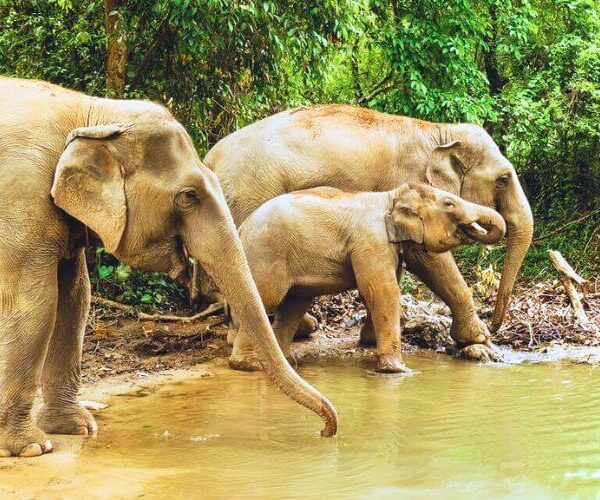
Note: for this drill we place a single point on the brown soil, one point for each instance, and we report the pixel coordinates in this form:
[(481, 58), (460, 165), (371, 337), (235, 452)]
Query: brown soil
[(538, 315)]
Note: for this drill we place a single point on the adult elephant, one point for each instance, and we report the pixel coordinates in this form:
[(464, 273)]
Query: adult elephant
[(74, 169), (357, 149)]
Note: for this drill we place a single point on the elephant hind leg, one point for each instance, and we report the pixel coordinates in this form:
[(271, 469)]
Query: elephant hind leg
[(243, 356), (61, 377), (367, 333), (307, 325), (288, 317)]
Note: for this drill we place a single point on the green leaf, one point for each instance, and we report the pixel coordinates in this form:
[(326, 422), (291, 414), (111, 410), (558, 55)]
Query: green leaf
[(105, 271)]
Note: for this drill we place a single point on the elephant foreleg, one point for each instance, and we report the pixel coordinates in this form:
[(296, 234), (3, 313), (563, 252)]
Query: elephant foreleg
[(27, 315), (380, 290), (62, 413), (440, 273)]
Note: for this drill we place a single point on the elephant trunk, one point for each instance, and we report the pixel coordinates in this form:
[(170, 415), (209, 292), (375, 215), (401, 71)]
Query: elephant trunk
[(216, 246), (519, 224), (488, 227)]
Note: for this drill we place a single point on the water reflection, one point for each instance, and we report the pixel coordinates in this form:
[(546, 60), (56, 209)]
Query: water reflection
[(454, 429)]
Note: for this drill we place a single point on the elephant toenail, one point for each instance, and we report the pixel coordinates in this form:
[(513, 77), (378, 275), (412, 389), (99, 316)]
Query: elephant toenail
[(31, 450), (5, 453), (81, 430), (47, 448)]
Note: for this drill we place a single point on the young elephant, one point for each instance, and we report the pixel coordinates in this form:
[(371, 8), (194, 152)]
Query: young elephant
[(323, 241)]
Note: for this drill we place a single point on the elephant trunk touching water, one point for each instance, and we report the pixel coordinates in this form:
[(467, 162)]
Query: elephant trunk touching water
[(204, 239)]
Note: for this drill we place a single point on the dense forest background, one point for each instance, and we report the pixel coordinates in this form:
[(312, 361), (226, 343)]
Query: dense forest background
[(527, 70)]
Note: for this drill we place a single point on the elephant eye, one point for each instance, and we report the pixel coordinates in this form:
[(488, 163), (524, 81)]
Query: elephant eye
[(449, 204), (187, 198), (502, 181)]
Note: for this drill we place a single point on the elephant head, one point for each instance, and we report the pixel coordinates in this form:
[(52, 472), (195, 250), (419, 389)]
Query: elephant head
[(438, 220), (142, 189), (467, 162)]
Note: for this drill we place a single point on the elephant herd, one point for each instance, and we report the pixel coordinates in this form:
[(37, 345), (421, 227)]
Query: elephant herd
[(306, 202)]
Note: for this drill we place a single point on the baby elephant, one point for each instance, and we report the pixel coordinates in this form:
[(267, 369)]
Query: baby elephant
[(323, 241)]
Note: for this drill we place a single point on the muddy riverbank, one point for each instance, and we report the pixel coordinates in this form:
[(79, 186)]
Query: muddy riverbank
[(539, 316)]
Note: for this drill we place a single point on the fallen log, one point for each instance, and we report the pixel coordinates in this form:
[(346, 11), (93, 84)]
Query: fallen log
[(99, 301), (569, 277)]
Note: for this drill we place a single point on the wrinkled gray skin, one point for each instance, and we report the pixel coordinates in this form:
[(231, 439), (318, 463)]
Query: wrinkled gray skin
[(128, 172), (322, 241), (356, 149)]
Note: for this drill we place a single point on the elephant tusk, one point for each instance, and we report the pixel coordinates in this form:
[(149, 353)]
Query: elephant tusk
[(479, 229)]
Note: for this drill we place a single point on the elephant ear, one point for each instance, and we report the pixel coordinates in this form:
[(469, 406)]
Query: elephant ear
[(446, 168), (89, 183), (403, 223)]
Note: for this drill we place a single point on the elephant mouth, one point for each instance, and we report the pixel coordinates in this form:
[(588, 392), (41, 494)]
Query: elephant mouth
[(181, 272), (472, 232)]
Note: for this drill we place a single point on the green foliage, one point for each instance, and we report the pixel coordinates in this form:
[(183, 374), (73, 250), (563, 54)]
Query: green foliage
[(119, 282), (528, 70), (53, 41)]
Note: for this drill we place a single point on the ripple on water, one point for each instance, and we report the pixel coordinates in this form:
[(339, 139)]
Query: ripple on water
[(455, 428)]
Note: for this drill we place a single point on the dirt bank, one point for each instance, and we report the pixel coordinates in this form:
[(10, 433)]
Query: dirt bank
[(539, 315)]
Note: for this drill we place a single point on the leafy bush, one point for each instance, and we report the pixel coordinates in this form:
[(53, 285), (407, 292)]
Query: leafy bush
[(119, 282), (528, 70)]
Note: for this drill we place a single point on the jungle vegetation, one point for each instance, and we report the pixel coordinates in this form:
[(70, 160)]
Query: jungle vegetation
[(527, 70)]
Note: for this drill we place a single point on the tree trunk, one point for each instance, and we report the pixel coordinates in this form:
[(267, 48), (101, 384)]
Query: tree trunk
[(116, 60), (496, 81)]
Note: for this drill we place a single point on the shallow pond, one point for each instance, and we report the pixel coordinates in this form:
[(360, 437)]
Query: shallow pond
[(453, 429)]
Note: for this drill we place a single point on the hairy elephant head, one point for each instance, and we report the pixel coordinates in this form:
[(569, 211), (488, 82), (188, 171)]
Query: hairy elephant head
[(438, 220), (143, 190), (467, 162)]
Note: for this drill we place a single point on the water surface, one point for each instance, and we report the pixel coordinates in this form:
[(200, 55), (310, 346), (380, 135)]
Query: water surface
[(453, 429)]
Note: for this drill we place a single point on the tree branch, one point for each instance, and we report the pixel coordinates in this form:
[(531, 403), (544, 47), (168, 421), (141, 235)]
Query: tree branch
[(161, 36), (568, 276), (377, 89), (570, 223), (99, 301)]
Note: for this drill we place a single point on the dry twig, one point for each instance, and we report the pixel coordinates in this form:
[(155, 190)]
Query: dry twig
[(569, 277)]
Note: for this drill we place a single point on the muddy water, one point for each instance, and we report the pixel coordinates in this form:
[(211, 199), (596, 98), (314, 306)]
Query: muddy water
[(454, 429)]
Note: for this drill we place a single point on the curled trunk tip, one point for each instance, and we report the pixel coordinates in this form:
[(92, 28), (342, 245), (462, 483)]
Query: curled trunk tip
[(331, 419)]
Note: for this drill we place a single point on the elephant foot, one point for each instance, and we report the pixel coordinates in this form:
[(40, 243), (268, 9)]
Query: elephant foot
[(24, 443), (245, 364), (390, 363), (72, 419), (308, 325), (472, 332), (481, 353)]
